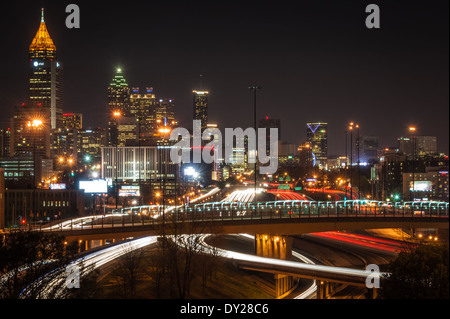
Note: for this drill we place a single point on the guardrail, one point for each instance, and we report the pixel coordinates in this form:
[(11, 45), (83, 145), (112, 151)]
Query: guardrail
[(299, 208), (230, 211)]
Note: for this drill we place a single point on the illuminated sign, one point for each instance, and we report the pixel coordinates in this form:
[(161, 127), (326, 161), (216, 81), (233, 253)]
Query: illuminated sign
[(126, 191), (421, 186), (36, 64), (57, 186), (190, 171), (98, 186)]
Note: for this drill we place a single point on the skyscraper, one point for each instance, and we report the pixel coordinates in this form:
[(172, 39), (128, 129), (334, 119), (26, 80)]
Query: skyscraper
[(425, 145), (73, 121), (46, 76), (119, 106), (317, 136), (201, 107), (119, 95)]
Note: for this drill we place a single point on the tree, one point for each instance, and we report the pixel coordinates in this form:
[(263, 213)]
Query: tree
[(127, 271), (420, 273), (25, 257)]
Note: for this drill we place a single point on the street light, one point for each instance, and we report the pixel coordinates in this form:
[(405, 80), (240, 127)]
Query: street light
[(164, 130), (358, 147), (350, 128), (116, 116), (413, 130), (35, 125), (255, 89)]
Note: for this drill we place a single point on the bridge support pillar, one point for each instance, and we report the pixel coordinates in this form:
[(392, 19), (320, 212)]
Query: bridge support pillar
[(279, 247), (324, 289)]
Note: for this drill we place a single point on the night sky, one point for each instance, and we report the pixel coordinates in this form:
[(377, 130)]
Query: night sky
[(315, 60)]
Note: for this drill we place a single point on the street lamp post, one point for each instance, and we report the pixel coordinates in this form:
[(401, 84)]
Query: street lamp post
[(346, 168), (358, 147), (116, 115), (164, 131), (412, 130), (34, 125), (351, 158), (255, 89)]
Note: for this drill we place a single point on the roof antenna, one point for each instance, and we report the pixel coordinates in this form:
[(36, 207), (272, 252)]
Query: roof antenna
[(201, 82), (42, 15)]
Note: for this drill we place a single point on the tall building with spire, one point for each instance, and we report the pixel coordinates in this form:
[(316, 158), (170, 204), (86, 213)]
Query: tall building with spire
[(46, 76), (119, 94), (122, 127)]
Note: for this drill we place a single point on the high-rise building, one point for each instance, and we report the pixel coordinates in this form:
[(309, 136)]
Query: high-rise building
[(269, 123), (5, 141), (119, 95), (73, 121), (317, 136), (425, 145), (201, 108), (89, 143), (142, 106), (63, 143), (30, 134), (369, 149), (46, 76), (119, 105)]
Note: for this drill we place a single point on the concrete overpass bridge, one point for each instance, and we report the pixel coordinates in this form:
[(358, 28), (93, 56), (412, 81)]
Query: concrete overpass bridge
[(292, 217), (272, 223)]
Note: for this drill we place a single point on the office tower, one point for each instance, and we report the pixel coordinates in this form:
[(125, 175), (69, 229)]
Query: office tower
[(369, 149), (73, 121), (119, 105), (269, 123), (425, 145), (30, 135), (142, 107), (89, 143), (63, 143), (317, 136), (46, 76), (201, 107), (5, 142), (165, 112), (119, 95), (306, 158)]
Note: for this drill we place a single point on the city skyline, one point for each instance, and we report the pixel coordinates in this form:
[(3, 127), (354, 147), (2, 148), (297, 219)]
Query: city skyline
[(243, 150), (333, 87)]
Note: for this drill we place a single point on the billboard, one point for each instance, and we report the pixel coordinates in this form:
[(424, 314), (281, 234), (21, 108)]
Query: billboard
[(98, 186), (129, 191), (421, 186), (57, 186)]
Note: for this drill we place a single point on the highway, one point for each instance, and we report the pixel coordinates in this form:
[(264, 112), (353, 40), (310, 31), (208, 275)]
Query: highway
[(327, 254)]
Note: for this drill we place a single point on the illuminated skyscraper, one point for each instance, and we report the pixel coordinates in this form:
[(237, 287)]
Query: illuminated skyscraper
[(46, 76), (119, 95), (317, 136), (201, 107), (119, 107), (73, 121)]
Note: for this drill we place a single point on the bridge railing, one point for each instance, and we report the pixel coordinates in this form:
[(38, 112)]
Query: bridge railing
[(222, 211)]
